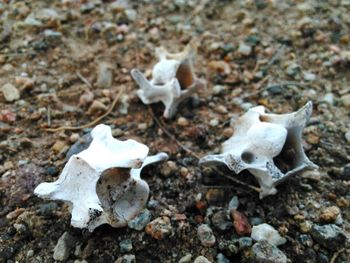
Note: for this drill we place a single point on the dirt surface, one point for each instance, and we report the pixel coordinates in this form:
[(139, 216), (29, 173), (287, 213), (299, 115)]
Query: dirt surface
[(62, 63)]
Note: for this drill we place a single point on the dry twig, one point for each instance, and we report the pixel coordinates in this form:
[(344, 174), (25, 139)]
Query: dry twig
[(92, 123), (336, 254)]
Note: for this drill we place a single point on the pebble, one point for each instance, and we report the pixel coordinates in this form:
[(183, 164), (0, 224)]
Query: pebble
[(345, 99), (233, 204), (80, 261), (142, 126), (52, 35), (240, 223), (58, 146), (201, 259), (330, 214), (264, 252), (183, 122), (222, 259), (328, 98), (105, 75), (244, 49), (217, 89), (266, 232), (10, 92), (206, 236), (125, 245), (305, 226), (140, 221), (131, 14), (215, 196), (14, 214), (330, 236), (245, 242), (214, 122), (97, 106), (30, 253), (159, 228), (221, 109), (221, 220), (347, 136), (309, 76), (126, 259), (345, 175), (227, 132), (168, 168), (306, 240), (63, 247), (186, 259)]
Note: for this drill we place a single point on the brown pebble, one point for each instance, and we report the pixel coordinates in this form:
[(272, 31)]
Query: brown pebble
[(240, 223), (159, 228), (330, 214)]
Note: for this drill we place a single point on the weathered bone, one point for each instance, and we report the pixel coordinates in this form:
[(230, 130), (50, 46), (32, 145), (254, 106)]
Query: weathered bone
[(102, 183), (268, 145), (173, 79)]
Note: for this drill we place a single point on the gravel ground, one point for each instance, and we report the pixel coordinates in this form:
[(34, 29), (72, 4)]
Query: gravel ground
[(62, 63)]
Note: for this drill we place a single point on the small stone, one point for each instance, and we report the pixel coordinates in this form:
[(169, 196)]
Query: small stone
[(330, 214), (14, 214), (309, 76), (168, 168), (105, 75), (201, 259), (126, 259), (10, 92), (142, 126), (292, 69), (58, 146), (227, 132), (159, 228), (80, 261), (80, 145), (214, 122), (264, 252), (345, 175), (266, 232), (131, 14), (125, 245), (97, 107), (183, 122), (240, 223), (347, 136), (329, 236), (245, 242), (52, 36), (221, 220), (221, 67), (206, 236), (306, 240), (221, 109), (345, 99), (244, 49), (63, 247), (222, 259), (140, 221), (25, 82), (74, 137), (328, 98), (305, 226), (215, 196), (186, 259), (217, 89), (30, 253), (233, 204)]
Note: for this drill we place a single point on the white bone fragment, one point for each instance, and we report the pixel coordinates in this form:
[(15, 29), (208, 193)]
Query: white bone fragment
[(102, 183), (173, 79), (268, 145)]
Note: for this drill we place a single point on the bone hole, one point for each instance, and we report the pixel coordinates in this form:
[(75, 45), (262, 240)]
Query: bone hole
[(184, 76), (247, 157), (110, 184)]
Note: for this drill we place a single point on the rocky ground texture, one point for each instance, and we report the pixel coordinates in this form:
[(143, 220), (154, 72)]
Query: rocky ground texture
[(62, 64)]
